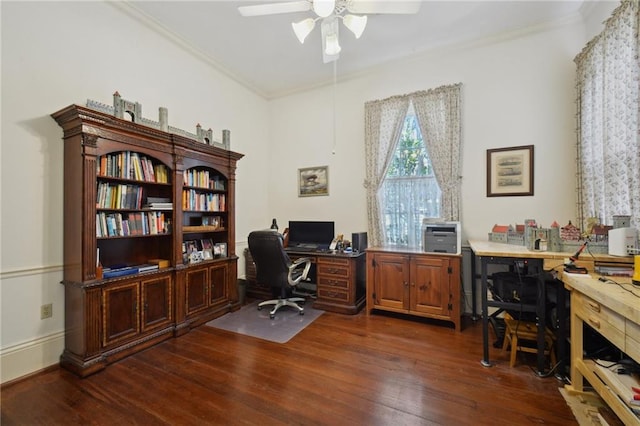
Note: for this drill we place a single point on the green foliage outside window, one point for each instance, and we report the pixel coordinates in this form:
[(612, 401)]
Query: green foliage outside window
[(411, 157)]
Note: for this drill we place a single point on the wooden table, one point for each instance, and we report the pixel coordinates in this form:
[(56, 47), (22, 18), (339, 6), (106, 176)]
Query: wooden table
[(507, 254), (518, 257)]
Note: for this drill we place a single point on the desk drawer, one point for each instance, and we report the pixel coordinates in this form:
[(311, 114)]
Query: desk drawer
[(632, 343), (333, 267), (332, 282), (334, 294), (600, 318)]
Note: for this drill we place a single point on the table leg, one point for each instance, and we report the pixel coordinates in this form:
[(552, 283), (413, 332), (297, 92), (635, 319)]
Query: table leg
[(485, 315), (561, 337), (541, 308), (474, 313)]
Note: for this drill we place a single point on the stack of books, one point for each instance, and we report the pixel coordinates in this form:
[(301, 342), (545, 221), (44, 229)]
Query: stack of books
[(159, 203), (121, 270)]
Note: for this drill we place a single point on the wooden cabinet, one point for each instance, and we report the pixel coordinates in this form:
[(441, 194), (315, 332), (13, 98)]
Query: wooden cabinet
[(207, 292), (134, 307), (134, 195), (416, 283)]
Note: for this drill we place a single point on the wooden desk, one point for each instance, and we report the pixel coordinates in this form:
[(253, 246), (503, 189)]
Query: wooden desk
[(340, 279), (615, 314)]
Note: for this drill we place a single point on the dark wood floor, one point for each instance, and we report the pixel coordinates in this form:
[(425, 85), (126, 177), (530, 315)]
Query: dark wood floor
[(340, 370)]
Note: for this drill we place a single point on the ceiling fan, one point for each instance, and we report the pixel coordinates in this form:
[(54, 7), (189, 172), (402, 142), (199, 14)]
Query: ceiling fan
[(330, 12)]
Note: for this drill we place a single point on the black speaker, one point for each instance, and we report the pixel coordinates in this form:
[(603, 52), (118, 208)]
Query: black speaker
[(359, 241)]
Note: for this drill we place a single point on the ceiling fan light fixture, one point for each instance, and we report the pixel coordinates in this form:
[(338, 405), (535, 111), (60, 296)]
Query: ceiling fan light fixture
[(324, 8), (332, 45), (303, 28), (356, 24)]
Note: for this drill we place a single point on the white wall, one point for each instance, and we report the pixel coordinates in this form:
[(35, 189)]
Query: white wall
[(59, 53), (515, 92)]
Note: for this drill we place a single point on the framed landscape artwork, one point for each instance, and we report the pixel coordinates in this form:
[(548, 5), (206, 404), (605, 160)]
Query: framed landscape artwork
[(510, 171), (313, 181)]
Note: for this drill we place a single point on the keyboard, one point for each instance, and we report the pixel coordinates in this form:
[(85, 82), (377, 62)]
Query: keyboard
[(302, 248)]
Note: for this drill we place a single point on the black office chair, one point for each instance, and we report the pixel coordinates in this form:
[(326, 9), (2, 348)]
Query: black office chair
[(274, 267)]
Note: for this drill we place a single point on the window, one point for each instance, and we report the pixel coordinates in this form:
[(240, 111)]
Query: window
[(410, 191), (401, 176)]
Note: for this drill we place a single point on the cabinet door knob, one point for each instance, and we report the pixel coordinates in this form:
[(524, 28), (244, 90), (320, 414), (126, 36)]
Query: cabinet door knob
[(594, 306)]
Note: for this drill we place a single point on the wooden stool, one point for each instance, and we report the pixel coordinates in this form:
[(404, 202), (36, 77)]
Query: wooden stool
[(525, 330)]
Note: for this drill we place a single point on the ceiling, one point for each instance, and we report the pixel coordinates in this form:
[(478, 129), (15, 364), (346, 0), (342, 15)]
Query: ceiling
[(263, 53)]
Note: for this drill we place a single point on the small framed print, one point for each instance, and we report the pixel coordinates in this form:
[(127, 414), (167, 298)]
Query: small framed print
[(207, 244), (222, 249), (207, 254), (313, 181), (191, 246), (510, 171)]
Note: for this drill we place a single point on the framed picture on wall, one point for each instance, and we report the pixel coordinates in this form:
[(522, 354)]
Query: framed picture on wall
[(510, 171), (313, 181)]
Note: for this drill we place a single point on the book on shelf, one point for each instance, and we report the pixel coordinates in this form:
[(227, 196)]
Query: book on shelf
[(119, 271), (147, 267), (159, 203), (162, 263), (151, 200), (160, 206)]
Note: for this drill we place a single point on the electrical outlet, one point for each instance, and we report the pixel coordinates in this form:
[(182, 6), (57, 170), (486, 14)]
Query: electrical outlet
[(46, 311)]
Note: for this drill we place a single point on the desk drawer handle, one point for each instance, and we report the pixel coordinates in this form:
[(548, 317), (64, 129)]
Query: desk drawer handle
[(594, 323), (594, 306)]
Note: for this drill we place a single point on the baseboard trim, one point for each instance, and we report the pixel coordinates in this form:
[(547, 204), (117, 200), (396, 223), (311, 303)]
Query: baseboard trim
[(29, 357)]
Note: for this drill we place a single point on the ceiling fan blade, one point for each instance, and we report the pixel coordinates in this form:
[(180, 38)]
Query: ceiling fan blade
[(275, 8), (399, 7)]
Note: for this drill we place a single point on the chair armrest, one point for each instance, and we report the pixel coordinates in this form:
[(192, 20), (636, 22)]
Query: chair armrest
[(295, 275)]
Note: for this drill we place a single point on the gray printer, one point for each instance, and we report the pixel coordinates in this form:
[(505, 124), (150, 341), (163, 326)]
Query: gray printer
[(441, 237)]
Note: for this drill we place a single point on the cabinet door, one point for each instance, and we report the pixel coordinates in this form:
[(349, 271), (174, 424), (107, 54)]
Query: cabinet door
[(157, 302), (391, 281), (197, 289), (218, 284), (120, 308), (429, 285)]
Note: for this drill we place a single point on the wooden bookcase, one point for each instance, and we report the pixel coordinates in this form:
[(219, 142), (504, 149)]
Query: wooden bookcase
[(111, 168)]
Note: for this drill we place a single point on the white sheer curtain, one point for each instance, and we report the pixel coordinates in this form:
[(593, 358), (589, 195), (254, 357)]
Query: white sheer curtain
[(438, 114), (608, 148)]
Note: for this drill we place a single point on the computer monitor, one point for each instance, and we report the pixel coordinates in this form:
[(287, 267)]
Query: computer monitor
[(311, 234)]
